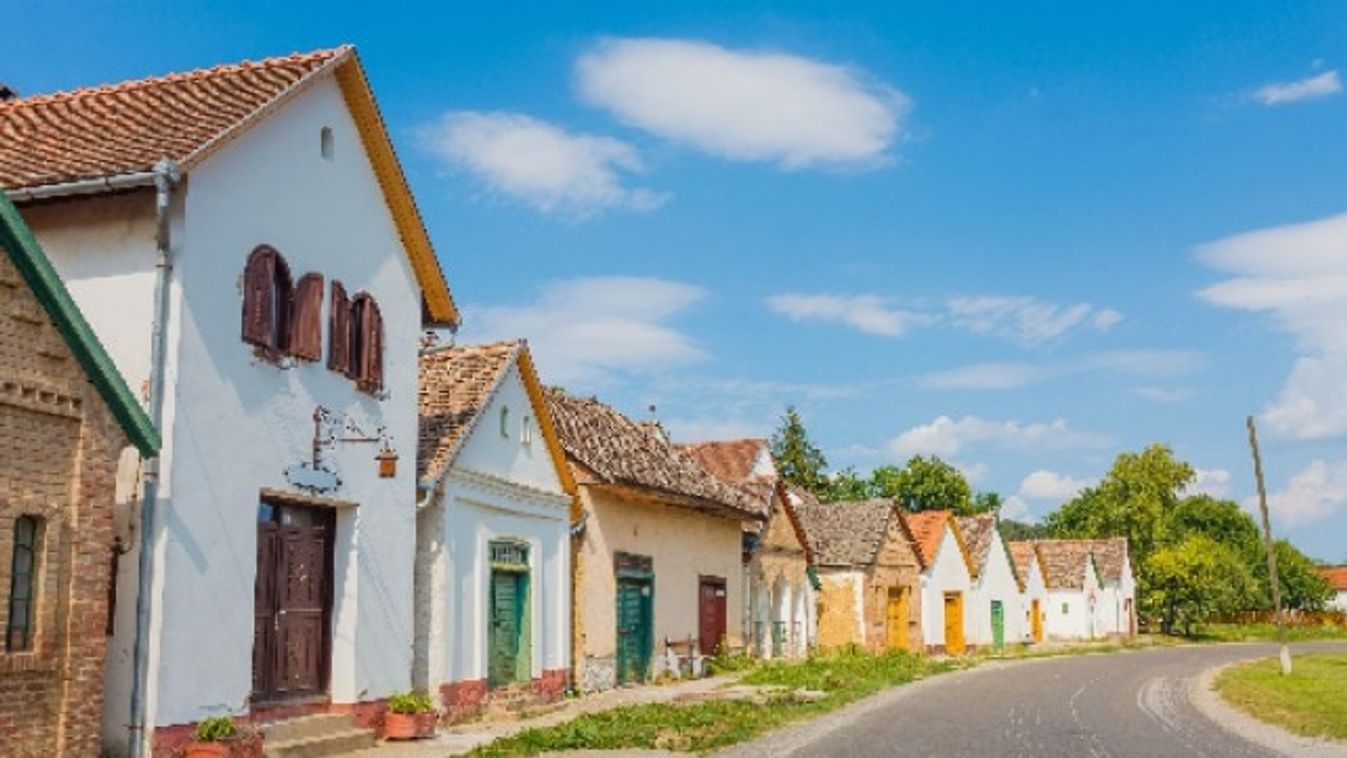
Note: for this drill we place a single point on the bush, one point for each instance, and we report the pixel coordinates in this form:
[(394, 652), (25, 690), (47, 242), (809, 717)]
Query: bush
[(409, 703), (215, 729)]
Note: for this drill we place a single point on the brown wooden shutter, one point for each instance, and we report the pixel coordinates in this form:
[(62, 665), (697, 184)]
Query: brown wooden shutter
[(306, 324), (284, 303), (339, 330), (372, 347), (259, 276)]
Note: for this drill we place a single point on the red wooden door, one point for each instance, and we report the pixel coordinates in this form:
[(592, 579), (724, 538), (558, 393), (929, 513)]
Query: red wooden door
[(711, 614), (293, 598)]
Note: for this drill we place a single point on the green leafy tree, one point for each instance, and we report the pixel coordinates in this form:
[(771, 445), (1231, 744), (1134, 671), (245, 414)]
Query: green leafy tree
[(847, 485), (1303, 587), (1132, 501), (987, 502), (1015, 531), (925, 483), (1194, 580), (798, 461)]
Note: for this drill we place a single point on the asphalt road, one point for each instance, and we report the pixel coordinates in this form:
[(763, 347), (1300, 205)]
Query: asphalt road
[(1103, 706)]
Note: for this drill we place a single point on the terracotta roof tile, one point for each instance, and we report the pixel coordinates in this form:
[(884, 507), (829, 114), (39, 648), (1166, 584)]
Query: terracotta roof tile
[(1064, 562), (1109, 556), (927, 528), (97, 132), (456, 383), (977, 536), (1023, 554), (844, 533), (622, 451), (727, 460), (1336, 576)]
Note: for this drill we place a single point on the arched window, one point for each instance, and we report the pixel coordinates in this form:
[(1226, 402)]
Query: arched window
[(267, 300), (23, 584)]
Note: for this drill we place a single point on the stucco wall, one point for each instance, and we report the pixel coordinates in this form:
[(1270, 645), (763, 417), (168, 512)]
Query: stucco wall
[(895, 566), (684, 545), (841, 616), (1069, 614), (779, 589), (233, 423), (947, 573)]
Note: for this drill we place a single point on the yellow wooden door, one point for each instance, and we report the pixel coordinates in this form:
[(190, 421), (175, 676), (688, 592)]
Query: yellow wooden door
[(954, 642), (1036, 620), (897, 617)]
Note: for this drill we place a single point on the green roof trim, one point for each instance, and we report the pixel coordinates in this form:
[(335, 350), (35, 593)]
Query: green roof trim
[(27, 255)]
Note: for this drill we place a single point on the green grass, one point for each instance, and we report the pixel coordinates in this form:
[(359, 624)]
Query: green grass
[(700, 727), (1265, 632), (1312, 700)]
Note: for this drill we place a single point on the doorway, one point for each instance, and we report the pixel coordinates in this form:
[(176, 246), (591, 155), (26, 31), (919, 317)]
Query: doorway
[(711, 615), (292, 602), (896, 617), (633, 629), (1036, 620), (998, 625), (509, 655), (954, 641)]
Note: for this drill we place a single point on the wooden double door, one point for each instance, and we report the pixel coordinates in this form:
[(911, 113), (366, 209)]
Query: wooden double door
[(292, 603)]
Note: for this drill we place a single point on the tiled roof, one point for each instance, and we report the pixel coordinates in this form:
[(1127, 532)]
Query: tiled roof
[(1064, 562), (1023, 554), (456, 384), (621, 451), (125, 128), (846, 533), (1336, 576), (727, 460), (977, 536), (1109, 556), (927, 528)]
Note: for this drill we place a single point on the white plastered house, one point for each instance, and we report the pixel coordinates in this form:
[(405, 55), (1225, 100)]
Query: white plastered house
[(493, 582), (946, 581), (1074, 591), (1034, 595), (1115, 611), (243, 241), (996, 613)]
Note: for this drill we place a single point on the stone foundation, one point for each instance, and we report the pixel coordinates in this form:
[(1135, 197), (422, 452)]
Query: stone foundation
[(600, 674), (462, 701)]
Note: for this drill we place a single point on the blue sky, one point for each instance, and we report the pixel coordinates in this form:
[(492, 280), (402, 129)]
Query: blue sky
[(1024, 238)]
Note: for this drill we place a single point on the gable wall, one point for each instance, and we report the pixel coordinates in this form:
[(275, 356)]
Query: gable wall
[(996, 582), (507, 457), (947, 573), (896, 565)]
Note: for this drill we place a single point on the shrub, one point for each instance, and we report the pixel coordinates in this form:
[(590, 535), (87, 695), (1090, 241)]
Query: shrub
[(409, 703), (215, 729)]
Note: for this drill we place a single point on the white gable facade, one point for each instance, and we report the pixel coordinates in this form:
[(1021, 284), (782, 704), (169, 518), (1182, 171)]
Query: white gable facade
[(996, 588), (1072, 613), (1116, 608), (1034, 596), (234, 424), (499, 515), (947, 573)]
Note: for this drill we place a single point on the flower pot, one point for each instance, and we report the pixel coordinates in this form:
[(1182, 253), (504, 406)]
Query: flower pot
[(409, 726), (208, 750)]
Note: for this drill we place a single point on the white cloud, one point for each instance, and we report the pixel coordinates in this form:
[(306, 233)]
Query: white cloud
[(947, 437), (1050, 485), (867, 313), (543, 165), (1214, 482), (1024, 320), (585, 329), (1309, 88), (1014, 507), (1164, 394), (1312, 495), (1016, 375), (744, 105), (1027, 320), (1297, 274)]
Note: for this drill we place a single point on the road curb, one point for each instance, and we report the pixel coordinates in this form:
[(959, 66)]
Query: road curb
[(1202, 694)]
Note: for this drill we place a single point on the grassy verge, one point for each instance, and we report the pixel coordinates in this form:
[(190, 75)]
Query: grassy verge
[(1266, 632), (796, 690), (1311, 701)]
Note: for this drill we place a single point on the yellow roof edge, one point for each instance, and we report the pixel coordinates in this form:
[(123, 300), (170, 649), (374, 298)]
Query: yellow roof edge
[(541, 412)]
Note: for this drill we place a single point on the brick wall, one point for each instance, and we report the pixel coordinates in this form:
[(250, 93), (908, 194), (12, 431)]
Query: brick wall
[(58, 462), (895, 566)]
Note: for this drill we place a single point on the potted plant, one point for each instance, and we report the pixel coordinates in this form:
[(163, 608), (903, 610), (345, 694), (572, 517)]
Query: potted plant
[(212, 738), (410, 716)]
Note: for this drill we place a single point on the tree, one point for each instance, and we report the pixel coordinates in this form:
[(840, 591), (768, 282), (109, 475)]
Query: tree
[(797, 460), (1189, 582), (987, 502), (846, 485), (1303, 587), (925, 484), (1132, 501), (1016, 531)]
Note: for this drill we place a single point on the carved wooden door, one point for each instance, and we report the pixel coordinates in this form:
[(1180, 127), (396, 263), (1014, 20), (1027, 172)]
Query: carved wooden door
[(292, 603)]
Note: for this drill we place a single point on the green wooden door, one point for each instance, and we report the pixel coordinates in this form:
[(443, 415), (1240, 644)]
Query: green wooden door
[(507, 625), (998, 625), (633, 630)]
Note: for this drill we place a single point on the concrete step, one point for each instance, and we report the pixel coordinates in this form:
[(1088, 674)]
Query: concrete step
[(307, 726), (335, 743)]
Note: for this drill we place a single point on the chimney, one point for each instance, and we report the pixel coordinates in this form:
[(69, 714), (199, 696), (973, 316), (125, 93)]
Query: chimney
[(8, 93)]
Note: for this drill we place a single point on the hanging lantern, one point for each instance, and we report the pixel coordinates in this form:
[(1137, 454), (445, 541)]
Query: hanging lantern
[(388, 463)]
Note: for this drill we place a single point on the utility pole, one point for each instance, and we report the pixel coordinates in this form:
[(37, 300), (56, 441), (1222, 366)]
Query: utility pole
[(1271, 548)]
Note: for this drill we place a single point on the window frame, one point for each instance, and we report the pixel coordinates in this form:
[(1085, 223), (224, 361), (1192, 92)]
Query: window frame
[(32, 576)]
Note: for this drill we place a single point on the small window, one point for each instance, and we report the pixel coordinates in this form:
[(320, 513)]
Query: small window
[(23, 584), (505, 421), (526, 430), (365, 354), (325, 142), (1066, 608)]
